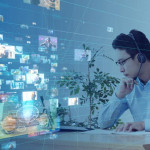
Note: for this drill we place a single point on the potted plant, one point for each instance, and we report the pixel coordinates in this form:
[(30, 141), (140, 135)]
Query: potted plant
[(96, 84)]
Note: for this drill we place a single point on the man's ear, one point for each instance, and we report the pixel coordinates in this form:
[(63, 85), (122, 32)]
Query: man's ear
[(136, 57)]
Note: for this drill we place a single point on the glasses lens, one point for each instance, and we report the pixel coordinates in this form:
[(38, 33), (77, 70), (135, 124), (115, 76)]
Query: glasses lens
[(122, 62)]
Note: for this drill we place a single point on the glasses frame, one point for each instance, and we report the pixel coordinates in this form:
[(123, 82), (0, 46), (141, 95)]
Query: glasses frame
[(121, 63)]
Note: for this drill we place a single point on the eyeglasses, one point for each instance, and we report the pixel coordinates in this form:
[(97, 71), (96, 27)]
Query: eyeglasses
[(121, 63)]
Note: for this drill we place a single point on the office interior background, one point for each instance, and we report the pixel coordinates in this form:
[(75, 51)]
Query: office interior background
[(41, 41)]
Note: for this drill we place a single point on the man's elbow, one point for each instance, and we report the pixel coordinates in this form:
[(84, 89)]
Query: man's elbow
[(105, 125)]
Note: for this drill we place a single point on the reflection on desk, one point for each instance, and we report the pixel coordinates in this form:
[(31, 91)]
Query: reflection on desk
[(90, 140), (102, 140)]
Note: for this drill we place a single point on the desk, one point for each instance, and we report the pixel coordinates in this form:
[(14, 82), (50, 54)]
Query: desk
[(83, 141), (89, 141)]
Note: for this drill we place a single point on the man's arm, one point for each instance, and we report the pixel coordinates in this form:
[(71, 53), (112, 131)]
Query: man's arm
[(117, 105), (111, 112)]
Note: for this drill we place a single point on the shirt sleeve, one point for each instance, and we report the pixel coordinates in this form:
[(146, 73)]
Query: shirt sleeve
[(110, 112)]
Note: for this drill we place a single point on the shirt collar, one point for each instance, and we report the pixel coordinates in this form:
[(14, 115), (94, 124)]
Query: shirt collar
[(140, 83)]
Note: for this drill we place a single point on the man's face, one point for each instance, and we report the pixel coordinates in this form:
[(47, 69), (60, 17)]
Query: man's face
[(128, 66)]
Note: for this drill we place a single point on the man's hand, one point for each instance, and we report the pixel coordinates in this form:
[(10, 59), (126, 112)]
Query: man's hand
[(126, 87), (131, 126)]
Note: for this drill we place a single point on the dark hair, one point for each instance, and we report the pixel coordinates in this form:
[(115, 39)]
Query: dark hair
[(127, 43)]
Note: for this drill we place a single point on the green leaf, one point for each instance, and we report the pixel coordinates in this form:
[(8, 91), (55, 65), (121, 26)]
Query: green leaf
[(71, 92), (84, 46), (71, 87), (97, 69), (87, 48), (83, 96), (93, 60), (105, 96), (62, 84), (76, 91)]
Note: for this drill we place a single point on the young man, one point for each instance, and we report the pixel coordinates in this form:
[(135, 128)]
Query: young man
[(133, 93)]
